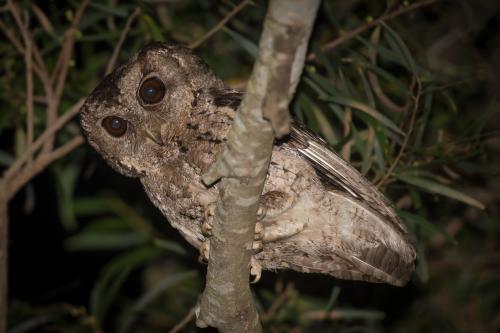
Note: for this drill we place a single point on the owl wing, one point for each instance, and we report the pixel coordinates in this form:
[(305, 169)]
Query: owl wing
[(379, 250)]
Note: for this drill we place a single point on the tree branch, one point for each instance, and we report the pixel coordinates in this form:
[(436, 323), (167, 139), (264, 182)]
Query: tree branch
[(29, 86), (226, 302), (220, 24), (60, 122), (118, 47), (41, 163), (390, 171), (61, 70), (359, 30)]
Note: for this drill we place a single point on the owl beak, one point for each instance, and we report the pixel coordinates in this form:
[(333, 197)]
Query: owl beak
[(154, 136)]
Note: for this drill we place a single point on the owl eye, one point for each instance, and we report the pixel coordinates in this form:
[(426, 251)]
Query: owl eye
[(152, 91), (115, 126)]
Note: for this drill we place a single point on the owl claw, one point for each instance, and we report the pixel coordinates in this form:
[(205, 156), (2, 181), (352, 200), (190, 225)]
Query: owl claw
[(204, 252), (208, 214), (206, 229), (255, 270), (259, 231), (261, 213)]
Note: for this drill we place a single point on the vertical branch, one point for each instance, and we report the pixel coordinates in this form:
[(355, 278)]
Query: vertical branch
[(29, 86), (118, 47), (61, 71), (40, 68), (4, 240), (226, 302)]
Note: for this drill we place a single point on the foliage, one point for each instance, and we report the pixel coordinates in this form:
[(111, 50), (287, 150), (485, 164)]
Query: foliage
[(411, 126)]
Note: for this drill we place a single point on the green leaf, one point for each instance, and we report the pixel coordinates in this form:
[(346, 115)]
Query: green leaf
[(324, 125), (420, 221), (324, 59), (155, 30), (449, 99), (106, 224), (98, 241), (433, 187), (367, 88), (169, 246), (394, 82), (118, 11), (379, 154), (422, 122), (333, 298), (366, 109), (422, 269), (401, 48), (150, 295), (367, 151), (244, 42), (66, 182), (384, 52), (114, 275), (92, 206), (323, 85)]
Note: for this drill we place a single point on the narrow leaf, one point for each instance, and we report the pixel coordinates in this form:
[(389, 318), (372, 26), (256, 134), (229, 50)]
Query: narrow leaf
[(366, 109), (433, 187)]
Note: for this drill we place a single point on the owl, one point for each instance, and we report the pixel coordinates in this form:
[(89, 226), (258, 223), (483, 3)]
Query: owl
[(163, 117)]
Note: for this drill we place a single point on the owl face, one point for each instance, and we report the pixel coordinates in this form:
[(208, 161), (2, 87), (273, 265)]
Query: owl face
[(136, 113)]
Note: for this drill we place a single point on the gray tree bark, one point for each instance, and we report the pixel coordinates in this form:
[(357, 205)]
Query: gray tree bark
[(226, 302)]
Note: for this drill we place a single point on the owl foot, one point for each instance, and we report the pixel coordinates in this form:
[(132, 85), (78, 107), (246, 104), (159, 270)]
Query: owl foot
[(204, 252), (255, 270), (261, 213), (255, 266), (206, 227), (208, 214), (257, 245)]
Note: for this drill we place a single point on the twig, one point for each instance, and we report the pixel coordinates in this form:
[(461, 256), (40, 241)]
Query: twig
[(355, 32), (60, 122), (41, 163), (180, 325), (219, 25), (116, 51), (37, 55), (278, 302), (42, 19), (20, 49), (406, 139), (374, 81), (29, 86), (12, 39), (342, 315), (62, 67), (69, 36)]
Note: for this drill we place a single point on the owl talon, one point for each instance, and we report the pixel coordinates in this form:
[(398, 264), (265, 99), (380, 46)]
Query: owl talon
[(206, 229), (208, 214), (255, 270), (257, 247), (259, 231), (261, 213), (204, 252)]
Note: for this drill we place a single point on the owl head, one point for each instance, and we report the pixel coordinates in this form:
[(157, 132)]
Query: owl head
[(133, 115)]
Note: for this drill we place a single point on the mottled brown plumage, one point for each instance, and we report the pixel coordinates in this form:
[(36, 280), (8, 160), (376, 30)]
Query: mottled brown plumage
[(320, 214)]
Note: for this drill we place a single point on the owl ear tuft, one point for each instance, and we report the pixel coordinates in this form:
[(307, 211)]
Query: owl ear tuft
[(227, 97)]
